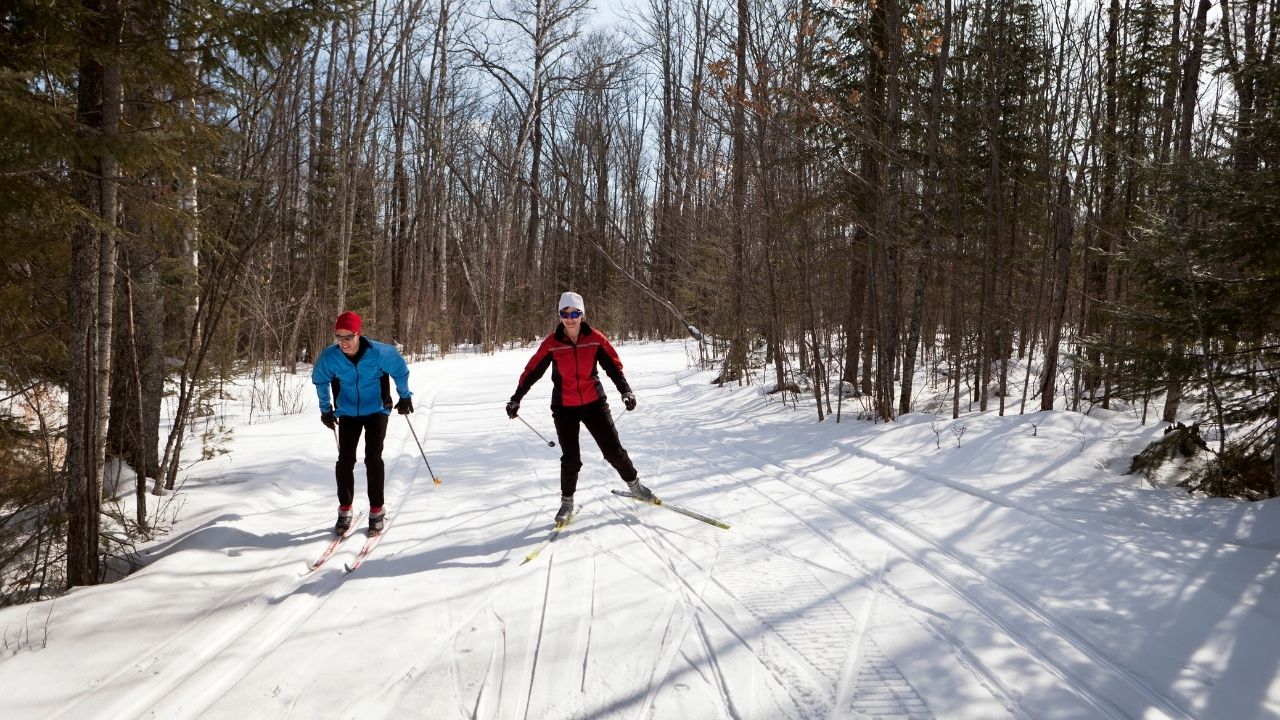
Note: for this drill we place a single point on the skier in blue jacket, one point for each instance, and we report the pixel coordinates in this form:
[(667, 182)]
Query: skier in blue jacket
[(359, 372)]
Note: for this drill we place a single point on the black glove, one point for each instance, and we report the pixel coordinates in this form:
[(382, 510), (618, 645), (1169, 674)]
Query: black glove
[(405, 406), (629, 400), (513, 409), (329, 419)]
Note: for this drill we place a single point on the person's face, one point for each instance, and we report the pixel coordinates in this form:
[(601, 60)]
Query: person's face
[(347, 341), (571, 317)]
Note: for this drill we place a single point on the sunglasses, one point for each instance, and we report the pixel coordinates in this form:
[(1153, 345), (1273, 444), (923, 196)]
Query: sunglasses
[(344, 338), (570, 314)]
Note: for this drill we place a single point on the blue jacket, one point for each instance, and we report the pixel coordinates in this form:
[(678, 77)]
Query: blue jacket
[(360, 382)]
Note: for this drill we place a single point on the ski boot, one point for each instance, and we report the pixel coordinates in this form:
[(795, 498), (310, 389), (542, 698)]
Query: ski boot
[(566, 510)]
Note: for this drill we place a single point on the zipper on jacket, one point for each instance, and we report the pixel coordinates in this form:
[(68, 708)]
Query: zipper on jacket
[(357, 367), (577, 374)]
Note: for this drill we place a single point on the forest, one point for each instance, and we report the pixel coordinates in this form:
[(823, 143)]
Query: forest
[(835, 198)]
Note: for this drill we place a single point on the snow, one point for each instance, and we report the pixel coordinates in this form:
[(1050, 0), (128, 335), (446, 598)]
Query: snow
[(896, 570)]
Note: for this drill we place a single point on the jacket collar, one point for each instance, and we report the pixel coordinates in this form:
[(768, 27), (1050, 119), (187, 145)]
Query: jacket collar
[(583, 332)]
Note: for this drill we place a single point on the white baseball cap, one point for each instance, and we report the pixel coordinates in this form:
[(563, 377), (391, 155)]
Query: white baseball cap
[(571, 300)]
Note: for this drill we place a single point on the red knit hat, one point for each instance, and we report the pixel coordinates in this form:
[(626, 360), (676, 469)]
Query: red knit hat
[(348, 321)]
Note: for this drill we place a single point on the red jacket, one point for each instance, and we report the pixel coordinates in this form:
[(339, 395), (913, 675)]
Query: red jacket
[(573, 368)]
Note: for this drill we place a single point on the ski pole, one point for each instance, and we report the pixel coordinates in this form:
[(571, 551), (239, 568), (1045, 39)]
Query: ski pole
[(434, 478), (550, 443)]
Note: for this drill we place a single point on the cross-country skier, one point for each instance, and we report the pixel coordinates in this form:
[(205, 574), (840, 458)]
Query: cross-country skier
[(572, 352), (359, 371)]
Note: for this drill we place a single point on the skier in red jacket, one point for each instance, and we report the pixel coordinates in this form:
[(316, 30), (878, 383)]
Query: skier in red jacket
[(577, 398)]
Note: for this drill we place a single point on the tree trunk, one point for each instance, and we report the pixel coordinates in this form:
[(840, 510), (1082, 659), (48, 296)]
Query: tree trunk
[(189, 193), (1063, 230), (1168, 100), (855, 309), (1098, 270), (534, 225), (91, 289), (137, 433), (930, 210), (955, 312), (1188, 92), (736, 362), (137, 381)]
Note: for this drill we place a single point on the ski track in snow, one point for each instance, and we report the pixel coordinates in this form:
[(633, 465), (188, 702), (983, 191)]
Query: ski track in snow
[(806, 622), (801, 638), (199, 664), (693, 631), (1055, 644), (680, 619)]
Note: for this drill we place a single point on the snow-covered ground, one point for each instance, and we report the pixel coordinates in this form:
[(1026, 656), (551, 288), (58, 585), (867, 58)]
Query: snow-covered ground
[(1012, 572)]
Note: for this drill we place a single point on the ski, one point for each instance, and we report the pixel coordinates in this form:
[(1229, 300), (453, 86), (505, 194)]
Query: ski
[(555, 532), (336, 541), (370, 543), (675, 508)]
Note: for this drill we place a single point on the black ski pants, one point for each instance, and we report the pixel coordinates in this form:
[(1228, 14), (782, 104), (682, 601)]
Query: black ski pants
[(374, 428), (599, 422)]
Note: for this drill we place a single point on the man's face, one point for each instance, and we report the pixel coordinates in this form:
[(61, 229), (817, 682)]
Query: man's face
[(347, 341)]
